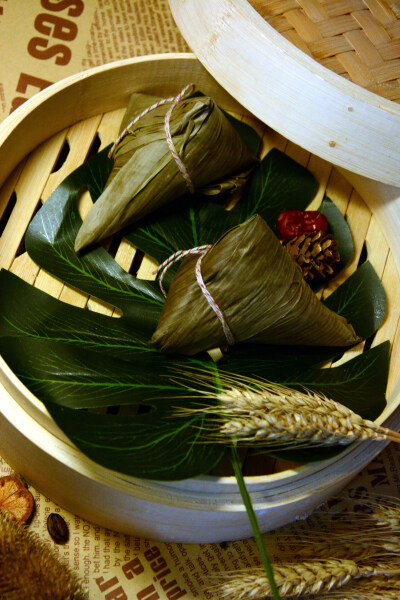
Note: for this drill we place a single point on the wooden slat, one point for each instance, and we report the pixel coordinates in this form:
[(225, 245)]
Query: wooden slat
[(24, 267), (321, 170), (377, 247), (8, 188), (28, 189), (339, 190), (79, 138)]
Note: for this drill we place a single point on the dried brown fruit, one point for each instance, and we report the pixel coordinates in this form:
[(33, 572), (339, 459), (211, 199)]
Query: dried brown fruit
[(31, 568), (57, 528), (15, 499)]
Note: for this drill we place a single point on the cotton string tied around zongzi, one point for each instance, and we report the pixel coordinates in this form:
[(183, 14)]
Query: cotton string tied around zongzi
[(202, 250), (175, 100), (158, 156), (260, 292)]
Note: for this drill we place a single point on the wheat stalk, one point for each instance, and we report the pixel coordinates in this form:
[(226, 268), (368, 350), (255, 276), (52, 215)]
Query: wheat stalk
[(271, 414), (295, 580), (377, 524), (385, 512)]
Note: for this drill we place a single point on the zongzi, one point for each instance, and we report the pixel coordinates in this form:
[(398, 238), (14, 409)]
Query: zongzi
[(146, 175), (260, 291)]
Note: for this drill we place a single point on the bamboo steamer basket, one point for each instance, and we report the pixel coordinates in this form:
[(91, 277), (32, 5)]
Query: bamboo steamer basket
[(73, 117), (323, 73)]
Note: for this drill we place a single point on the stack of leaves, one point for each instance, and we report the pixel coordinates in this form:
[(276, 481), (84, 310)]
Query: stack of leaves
[(90, 361)]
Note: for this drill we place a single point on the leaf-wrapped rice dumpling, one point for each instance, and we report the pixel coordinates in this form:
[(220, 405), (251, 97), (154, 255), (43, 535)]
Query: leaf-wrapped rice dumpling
[(260, 291), (146, 175)]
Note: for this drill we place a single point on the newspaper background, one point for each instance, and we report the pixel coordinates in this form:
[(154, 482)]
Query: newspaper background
[(41, 42), (115, 566)]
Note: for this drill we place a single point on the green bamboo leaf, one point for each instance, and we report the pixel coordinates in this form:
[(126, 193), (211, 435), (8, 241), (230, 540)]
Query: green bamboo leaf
[(145, 441), (361, 299), (340, 232), (27, 312), (84, 378), (359, 384), (277, 183), (275, 363), (140, 446), (30, 313), (79, 378), (50, 238)]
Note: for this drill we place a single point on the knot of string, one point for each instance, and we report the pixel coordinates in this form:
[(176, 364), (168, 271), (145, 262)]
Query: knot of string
[(175, 101), (202, 250)]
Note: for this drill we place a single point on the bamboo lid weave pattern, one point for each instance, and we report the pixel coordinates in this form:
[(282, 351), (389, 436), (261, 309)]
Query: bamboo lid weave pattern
[(357, 39)]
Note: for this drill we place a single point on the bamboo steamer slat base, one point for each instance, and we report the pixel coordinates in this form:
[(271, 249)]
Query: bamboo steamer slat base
[(286, 88), (77, 114)]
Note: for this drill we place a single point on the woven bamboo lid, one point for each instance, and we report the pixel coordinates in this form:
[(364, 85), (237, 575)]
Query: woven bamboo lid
[(358, 39), (323, 73)]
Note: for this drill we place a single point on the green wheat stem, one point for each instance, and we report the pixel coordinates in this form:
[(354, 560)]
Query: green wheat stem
[(237, 467)]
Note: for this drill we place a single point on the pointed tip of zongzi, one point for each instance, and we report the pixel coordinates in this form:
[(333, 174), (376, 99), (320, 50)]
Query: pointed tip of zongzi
[(84, 239), (79, 244)]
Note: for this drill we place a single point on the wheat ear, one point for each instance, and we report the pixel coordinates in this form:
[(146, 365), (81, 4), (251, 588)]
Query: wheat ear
[(385, 512), (295, 580), (377, 588), (377, 510), (375, 527), (274, 415), (334, 547), (363, 529)]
